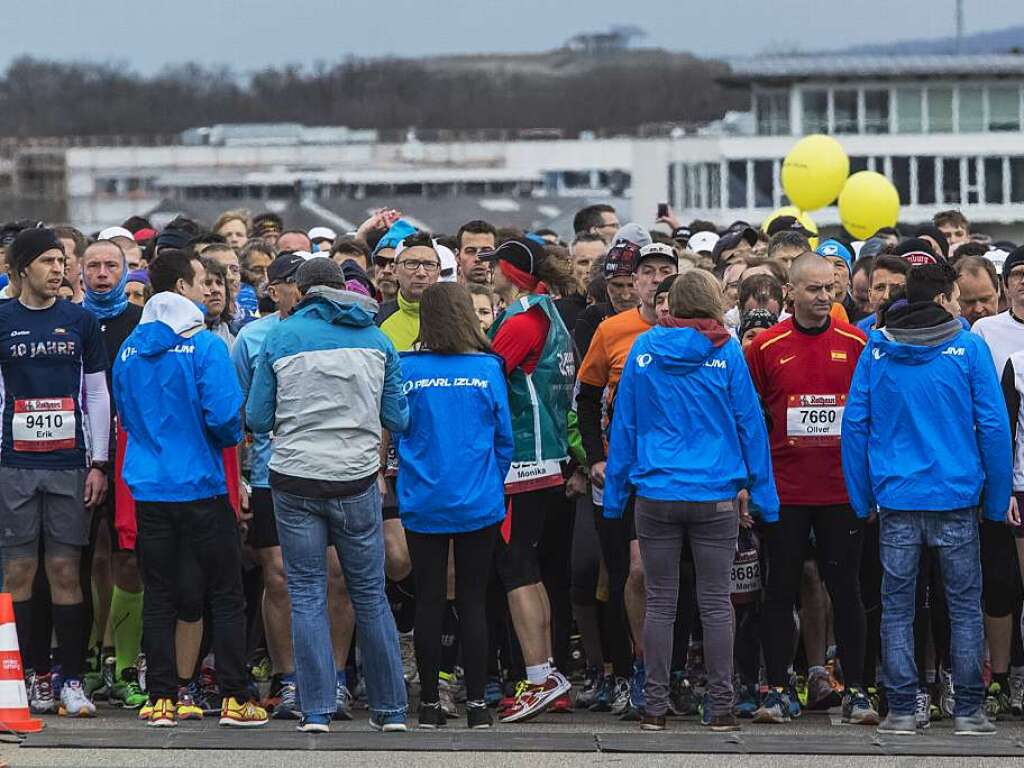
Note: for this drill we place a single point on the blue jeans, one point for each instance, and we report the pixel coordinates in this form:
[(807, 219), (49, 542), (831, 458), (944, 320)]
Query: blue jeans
[(955, 535), (353, 525)]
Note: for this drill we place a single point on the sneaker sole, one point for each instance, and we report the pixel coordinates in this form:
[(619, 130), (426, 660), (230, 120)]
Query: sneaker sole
[(865, 720), (545, 702), (194, 716), (313, 728), (162, 724), (724, 728), (770, 719), (974, 733), (652, 727), (81, 714), (390, 728), (899, 732), (229, 722)]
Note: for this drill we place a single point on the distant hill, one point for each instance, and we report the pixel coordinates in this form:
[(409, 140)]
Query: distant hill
[(1002, 40)]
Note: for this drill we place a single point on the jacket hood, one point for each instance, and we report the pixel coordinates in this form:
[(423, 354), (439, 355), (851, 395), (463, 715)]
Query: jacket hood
[(917, 332), (166, 319), (713, 329), (679, 350), (338, 307)]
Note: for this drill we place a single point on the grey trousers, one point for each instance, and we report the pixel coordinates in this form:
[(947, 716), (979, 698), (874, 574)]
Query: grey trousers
[(712, 528)]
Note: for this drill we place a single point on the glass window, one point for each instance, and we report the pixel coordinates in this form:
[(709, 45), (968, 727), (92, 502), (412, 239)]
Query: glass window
[(971, 110), (951, 179), (737, 184), (940, 110), (714, 185), (926, 180), (908, 110), (845, 110), (673, 192), (876, 111), (1004, 108), (971, 190), (994, 180), (815, 111), (763, 183), (1017, 179), (901, 177), (692, 185), (773, 113), (858, 164)]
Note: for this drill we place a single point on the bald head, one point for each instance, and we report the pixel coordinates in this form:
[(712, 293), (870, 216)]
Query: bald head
[(810, 267), (812, 288)]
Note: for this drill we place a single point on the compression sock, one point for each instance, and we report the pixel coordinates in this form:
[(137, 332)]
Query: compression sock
[(23, 623), (69, 621), (126, 627)]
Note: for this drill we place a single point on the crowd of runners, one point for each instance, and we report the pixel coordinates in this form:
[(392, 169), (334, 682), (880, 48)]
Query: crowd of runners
[(734, 473)]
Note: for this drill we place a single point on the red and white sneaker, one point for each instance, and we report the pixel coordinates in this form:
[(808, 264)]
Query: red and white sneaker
[(562, 705), (534, 699)]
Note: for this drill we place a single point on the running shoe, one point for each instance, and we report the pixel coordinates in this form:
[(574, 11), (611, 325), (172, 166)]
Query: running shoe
[(747, 701), (695, 670), (186, 707), (128, 694), (509, 700), (922, 709), (74, 702), (343, 703), (140, 665), (478, 717), (682, 699), (898, 725), (620, 696), (604, 695), (493, 692), (536, 698), (997, 702), (162, 714), (775, 707), (653, 723), (562, 705), (262, 670), (637, 694), (820, 694), (146, 710), (947, 701), (1017, 693), (407, 647), (973, 725), (446, 694), (591, 685), (314, 724), (241, 714), (794, 703), (705, 710), (388, 723), (431, 716), (42, 701), (208, 694), (857, 709), (287, 708)]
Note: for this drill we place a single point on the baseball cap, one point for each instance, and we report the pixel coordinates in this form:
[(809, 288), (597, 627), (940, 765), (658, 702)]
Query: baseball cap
[(660, 250), (916, 252), (634, 233), (702, 242), (782, 223), (733, 238), (835, 248), (525, 255), (321, 233), (621, 260), (283, 268), (111, 232)]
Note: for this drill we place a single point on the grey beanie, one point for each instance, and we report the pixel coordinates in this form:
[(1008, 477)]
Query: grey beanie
[(634, 233), (319, 270)]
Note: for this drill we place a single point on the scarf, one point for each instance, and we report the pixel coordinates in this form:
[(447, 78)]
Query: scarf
[(712, 329), (107, 304)]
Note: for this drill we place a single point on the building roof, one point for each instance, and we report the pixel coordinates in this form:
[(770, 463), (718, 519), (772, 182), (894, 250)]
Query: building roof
[(819, 67)]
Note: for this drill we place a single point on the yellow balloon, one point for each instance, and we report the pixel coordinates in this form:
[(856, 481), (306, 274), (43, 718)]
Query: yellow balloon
[(814, 171), (802, 216), (868, 202)]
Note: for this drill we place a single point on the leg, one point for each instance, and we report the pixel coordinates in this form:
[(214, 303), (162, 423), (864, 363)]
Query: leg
[(553, 554), (813, 614), (660, 527), (429, 553), (69, 618), (999, 593), (586, 565), (157, 547), (785, 541), (396, 550), (126, 610), (871, 592), (634, 595), (900, 550), (339, 605), (614, 543), (277, 610), (474, 552)]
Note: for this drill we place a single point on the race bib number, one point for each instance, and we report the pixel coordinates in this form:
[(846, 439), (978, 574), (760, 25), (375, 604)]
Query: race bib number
[(745, 576), (43, 424), (815, 418)]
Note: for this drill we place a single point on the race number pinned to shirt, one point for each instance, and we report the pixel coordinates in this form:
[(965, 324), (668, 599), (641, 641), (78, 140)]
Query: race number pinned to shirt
[(814, 419), (43, 424)]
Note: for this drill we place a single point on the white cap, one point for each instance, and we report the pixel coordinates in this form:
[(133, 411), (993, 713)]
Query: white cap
[(111, 232), (702, 241), (306, 255), (321, 233), (449, 266), (998, 257)]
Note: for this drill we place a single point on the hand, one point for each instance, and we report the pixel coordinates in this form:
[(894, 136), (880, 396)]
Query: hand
[(243, 501), (380, 221), (670, 219), (577, 484), (597, 473), (1013, 512), (382, 486), (95, 487), (743, 509)]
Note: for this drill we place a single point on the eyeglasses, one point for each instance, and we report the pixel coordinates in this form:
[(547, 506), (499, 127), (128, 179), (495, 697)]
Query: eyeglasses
[(411, 265), (383, 262)]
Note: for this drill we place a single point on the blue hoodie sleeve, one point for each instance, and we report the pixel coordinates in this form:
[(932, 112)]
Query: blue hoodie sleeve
[(992, 433), (622, 441), (394, 407), (261, 405), (219, 395), (856, 426), (753, 437), (504, 444)]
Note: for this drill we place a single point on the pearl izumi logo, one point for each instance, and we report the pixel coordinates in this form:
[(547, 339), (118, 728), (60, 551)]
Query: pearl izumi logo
[(643, 360)]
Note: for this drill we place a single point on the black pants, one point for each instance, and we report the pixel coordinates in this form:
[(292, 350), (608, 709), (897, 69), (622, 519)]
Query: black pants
[(172, 534), (839, 535), (615, 536), (554, 553), (473, 553)]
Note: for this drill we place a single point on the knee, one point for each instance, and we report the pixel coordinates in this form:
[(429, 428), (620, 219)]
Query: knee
[(63, 574), (19, 573), (397, 562), (275, 583)]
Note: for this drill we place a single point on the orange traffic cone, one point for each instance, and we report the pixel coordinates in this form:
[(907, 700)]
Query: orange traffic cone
[(13, 699)]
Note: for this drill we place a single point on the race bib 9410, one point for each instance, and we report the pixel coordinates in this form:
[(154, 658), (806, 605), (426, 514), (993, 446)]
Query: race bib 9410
[(815, 418), (43, 424)]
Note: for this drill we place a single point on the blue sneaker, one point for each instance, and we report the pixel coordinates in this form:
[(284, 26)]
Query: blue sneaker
[(314, 723), (605, 695), (493, 692), (388, 723), (794, 703), (637, 695), (747, 701), (705, 710), (775, 707), (343, 702)]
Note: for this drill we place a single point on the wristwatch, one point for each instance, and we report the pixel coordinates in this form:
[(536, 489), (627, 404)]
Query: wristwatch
[(103, 466)]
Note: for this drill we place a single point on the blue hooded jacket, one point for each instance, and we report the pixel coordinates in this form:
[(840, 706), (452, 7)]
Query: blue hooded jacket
[(925, 424), (688, 426), (458, 447), (400, 230), (178, 398)]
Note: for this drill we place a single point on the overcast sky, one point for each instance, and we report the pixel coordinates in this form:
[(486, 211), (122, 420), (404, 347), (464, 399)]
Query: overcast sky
[(148, 34)]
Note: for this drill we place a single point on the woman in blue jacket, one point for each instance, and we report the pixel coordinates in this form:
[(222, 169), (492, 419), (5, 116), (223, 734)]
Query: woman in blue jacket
[(687, 438), (454, 457)]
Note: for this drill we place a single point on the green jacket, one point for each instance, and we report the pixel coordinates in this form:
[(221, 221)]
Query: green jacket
[(540, 401)]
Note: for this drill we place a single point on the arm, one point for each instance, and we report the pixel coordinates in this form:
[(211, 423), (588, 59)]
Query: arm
[(261, 404), (593, 377), (220, 396), (394, 408), (746, 408), (519, 336), (993, 436), (97, 401), (856, 428), (504, 445), (621, 442)]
